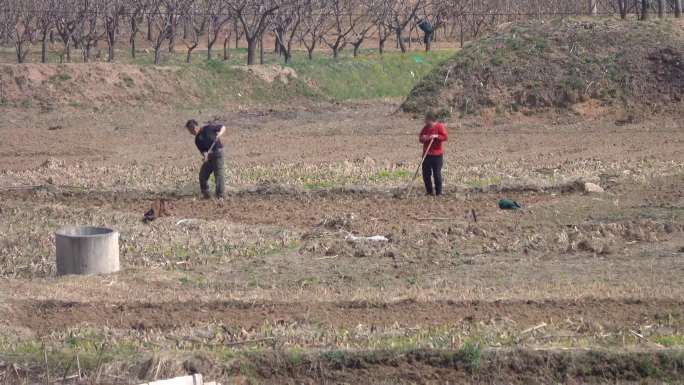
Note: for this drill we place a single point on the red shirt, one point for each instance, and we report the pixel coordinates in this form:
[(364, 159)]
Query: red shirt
[(442, 136)]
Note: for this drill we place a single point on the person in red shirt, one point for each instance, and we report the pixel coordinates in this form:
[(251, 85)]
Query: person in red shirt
[(433, 136)]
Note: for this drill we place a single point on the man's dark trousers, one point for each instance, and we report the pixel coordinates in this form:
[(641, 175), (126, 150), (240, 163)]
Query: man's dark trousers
[(213, 165), (433, 167)]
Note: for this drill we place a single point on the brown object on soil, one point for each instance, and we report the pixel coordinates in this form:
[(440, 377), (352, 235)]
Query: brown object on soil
[(158, 210)]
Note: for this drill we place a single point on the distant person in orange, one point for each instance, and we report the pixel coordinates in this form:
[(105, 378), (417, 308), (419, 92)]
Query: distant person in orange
[(433, 135)]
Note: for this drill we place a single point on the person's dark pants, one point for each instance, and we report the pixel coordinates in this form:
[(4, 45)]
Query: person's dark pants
[(213, 166), (428, 40), (433, 167)]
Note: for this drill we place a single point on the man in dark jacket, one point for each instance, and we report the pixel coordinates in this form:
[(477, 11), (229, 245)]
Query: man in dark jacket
[(208, 142), (428, 30)]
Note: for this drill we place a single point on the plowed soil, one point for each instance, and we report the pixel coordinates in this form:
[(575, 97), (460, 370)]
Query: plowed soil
[(282, 266), (48, 316)]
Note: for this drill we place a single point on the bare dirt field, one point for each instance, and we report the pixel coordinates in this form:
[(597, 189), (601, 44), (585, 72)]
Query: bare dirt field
[(268, 286)]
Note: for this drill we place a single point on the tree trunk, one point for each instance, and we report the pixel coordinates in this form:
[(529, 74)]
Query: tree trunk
[(251, 49), (132, 41), (261, 49), (149, 28), (172, 36), (593, 7), (678, 8), (277, 49), (226, 50), (622, 6), (645, 5), (356, 49), (410, 37), (157, 55), (43, 50), (67, 50), (210, 47), (400, 42), (111, 52), (188, 59), (661, 8), (381, 46), (86, 52), (20, 52), (111, 43)]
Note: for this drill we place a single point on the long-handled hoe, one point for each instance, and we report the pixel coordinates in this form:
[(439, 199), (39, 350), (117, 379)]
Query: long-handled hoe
[(409, 187), (205, 158)]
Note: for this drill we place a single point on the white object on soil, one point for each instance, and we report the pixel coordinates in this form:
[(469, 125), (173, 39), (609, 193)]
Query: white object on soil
[(195, 379), (592, 188), (375, 238), (189, 221)]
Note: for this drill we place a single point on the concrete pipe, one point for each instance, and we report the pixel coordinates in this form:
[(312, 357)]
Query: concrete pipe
[(87, 250)]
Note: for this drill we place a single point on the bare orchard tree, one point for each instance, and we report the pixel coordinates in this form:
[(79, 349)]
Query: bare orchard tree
[(381, 18), (253, 16), (359, 36), (226, 42), (66, 22), (45, 20), (4, 23), (592, 6), (645, 9), (136, 15), (315, 16), (220, 15), (363, 28), (455, 14), (88, 32), (286, 22), (175, 9), (479, 16), (5, 39), (196, 20), (343, 19), (622, 8), (401, 13), (677, 8), (113, 12), (20, 26), (159, 17)]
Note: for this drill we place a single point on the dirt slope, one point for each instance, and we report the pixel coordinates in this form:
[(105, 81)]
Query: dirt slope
[(49, 86), (535, 66)]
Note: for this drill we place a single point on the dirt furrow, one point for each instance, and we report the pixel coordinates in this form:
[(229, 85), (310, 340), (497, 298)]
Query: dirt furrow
[(46, 316)]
